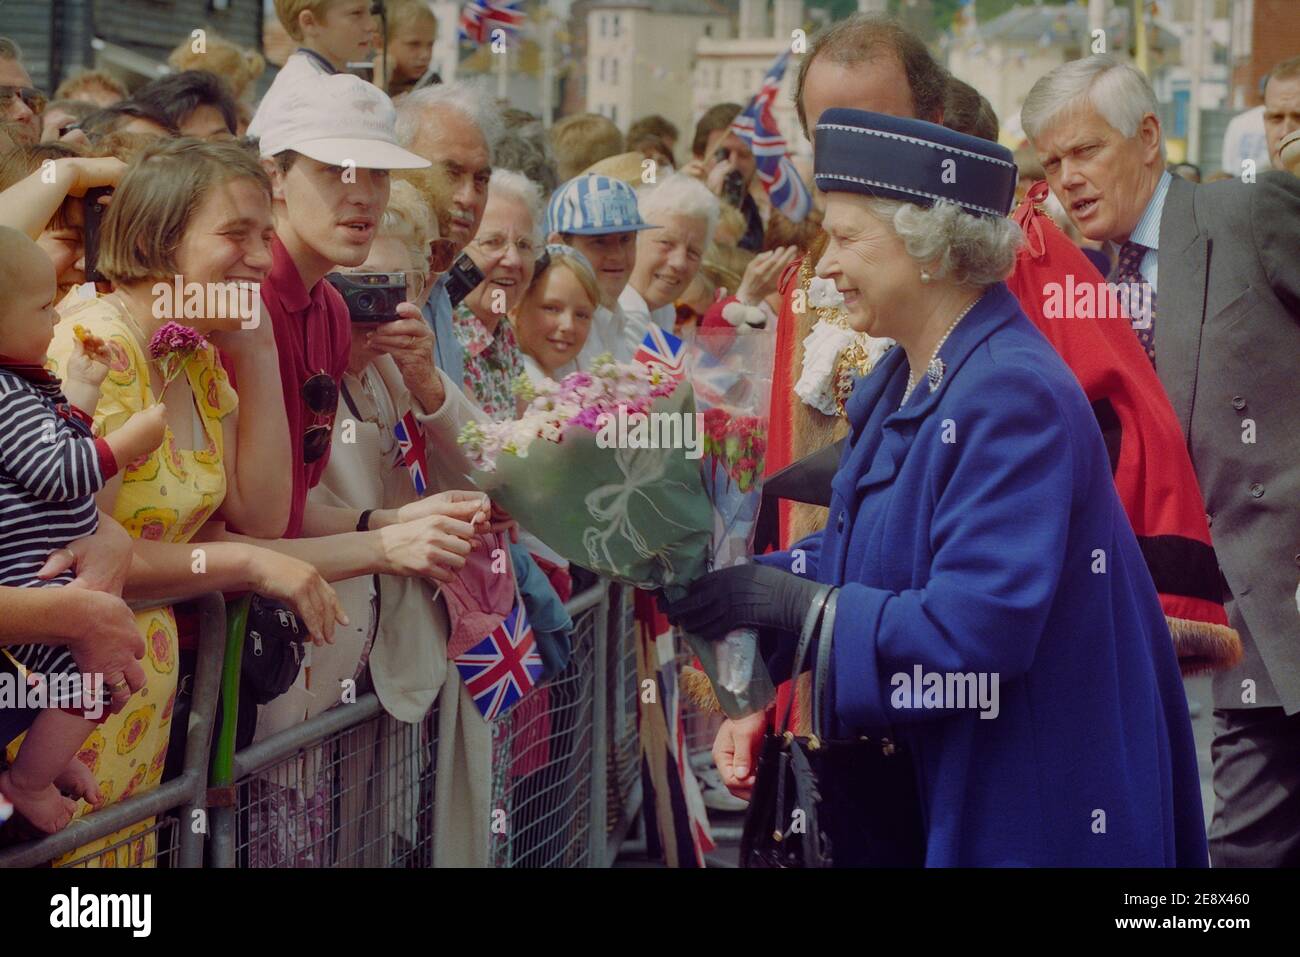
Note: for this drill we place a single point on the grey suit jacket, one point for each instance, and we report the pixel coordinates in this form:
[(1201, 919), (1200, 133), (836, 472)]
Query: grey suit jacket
[(1227, 339)]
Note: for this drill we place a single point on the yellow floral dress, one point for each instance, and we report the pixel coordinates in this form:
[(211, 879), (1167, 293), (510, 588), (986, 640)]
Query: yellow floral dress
[(165, 496)]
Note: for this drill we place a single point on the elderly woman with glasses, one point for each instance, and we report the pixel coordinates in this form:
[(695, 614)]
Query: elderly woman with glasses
[(505, 249), (975, 543)]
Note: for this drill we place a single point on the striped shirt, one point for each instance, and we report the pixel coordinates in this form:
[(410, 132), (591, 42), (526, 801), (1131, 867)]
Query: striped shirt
[(1147, 233), (51, 466)]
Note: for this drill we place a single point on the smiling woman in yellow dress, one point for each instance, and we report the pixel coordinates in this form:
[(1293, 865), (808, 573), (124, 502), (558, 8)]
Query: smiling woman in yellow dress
[(201, 211)]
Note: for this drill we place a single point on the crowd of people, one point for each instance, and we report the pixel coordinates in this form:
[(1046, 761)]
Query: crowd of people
[(994, 450)]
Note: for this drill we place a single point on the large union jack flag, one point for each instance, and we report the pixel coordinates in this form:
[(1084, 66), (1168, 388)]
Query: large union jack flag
[(664, 350), (479, 18), (410, 449), (504, 666), (771, 159)]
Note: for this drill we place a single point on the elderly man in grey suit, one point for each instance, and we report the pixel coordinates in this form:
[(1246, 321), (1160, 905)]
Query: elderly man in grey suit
[(1222, 264)]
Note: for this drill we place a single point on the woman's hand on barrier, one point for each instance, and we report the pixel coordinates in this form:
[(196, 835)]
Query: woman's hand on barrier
[(106, 642), (300, 586), (433, 547), (735, 752)]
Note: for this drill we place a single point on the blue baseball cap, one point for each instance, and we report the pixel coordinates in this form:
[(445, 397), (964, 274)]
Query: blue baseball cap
[(592, 205)]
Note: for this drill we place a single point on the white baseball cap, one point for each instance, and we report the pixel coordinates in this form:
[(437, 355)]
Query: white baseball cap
[(340, 120)]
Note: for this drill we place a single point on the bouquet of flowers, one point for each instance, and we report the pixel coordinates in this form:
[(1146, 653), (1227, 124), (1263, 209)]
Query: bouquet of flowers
[(731, 370), (632, 510), (617, 470)]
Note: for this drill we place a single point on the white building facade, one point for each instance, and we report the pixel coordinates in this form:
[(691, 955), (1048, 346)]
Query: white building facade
[(732, 70), (641, 58)]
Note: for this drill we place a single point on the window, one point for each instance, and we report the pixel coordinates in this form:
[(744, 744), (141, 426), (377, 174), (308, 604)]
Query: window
[(603, 19), (613, 64), (616, 25), (708, 29), (613, 114), (602, 69)]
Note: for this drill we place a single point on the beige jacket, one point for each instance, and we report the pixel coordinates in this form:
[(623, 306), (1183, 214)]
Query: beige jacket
[(408, 648)]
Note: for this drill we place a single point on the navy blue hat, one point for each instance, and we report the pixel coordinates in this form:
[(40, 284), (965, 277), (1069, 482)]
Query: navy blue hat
[(912, 160)]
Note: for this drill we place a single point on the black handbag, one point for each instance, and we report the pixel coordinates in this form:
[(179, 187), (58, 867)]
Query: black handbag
[(824, 803), (274, 649)]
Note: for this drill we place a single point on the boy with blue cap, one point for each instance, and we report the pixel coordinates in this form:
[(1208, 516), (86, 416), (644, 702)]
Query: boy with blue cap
[(598, 216)]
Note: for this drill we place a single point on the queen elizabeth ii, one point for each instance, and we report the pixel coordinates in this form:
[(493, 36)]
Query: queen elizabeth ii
[(974, 530)]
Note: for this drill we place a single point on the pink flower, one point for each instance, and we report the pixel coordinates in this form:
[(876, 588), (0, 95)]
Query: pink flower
[(174, 337), (172, 346)]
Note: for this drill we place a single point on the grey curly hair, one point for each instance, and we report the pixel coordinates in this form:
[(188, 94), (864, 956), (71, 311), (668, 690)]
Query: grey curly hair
[(972, 250)]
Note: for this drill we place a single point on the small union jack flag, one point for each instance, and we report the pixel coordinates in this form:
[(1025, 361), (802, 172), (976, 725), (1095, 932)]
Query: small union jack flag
[(664, 350), (771, 159), (410, 449), (504, 666), (480, 17)]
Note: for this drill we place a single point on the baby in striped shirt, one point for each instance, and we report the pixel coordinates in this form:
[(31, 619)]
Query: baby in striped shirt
[(51, 466)]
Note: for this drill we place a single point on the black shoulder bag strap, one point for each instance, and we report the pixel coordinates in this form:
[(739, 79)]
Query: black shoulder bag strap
[(810, 622), (822, 675)]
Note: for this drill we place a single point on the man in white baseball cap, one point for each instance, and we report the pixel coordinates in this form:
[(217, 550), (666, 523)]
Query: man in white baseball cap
[(327, 143)]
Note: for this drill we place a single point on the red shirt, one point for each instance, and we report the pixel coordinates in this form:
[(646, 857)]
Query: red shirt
[(312, 334)]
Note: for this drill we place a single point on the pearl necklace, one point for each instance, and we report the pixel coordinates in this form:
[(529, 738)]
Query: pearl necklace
[(934, 368)]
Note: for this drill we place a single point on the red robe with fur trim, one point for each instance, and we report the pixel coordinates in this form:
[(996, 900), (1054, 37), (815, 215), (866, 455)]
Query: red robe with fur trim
[(1148, 457)]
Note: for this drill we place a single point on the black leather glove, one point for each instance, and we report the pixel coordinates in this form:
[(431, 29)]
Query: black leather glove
[(754, 595)]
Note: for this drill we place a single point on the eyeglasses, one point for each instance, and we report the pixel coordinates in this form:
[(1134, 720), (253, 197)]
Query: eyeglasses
[(321, 394), (495, 246), (34, 99)]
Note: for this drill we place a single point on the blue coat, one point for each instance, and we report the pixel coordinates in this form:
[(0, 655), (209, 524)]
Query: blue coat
[(978, 531)]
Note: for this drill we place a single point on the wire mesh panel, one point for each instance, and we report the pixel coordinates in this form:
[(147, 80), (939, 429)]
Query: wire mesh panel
[(541, 766), (361, 797), (621, 701), (151, 844)]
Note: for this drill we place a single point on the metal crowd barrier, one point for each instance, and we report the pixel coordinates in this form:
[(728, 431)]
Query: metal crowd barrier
[(354, 787), (171, 820)]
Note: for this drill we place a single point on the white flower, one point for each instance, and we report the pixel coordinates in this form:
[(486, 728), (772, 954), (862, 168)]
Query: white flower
[(822, 293)]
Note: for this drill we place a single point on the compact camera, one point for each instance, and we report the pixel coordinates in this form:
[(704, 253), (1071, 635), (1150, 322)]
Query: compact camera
[(370, 296)]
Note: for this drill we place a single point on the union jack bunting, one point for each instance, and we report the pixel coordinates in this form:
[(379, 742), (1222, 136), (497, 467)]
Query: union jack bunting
[(410, 450), (771, 160), (664, 350), (479, 18), (504, 666)]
